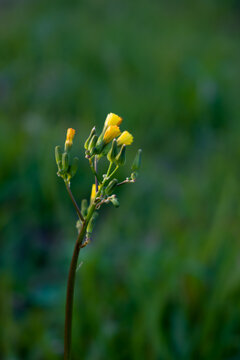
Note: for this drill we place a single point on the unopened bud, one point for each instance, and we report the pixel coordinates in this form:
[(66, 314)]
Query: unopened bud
[(91, 223), (99, 146), (114, 200), (58, 154), (137, 161), (84, 207), (113, 152), (121, 158), (65, 163), (74, 167), (111, 186), (112, 132), (92, 144), (93, 132), (69, 139)]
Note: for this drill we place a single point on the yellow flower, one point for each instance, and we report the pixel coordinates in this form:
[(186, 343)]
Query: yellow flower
[(125, 139), (69, 138), (93, 193), (113, 119), (112, 132)]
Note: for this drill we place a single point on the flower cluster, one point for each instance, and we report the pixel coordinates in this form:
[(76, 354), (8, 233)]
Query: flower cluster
[(111, 143)]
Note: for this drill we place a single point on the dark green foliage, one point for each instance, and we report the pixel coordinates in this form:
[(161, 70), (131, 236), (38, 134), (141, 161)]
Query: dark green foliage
[(161, 278)]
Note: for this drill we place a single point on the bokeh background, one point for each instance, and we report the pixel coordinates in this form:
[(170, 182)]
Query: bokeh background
[(161, 279)]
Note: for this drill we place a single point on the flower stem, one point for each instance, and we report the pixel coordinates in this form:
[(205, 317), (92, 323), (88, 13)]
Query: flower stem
[(116, 168), (74, 202), (70, 285)]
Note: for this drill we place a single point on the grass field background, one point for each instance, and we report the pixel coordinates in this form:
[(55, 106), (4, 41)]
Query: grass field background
[(161, 278)]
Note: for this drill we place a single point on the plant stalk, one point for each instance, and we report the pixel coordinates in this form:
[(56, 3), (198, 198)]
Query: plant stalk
[(70, 285)]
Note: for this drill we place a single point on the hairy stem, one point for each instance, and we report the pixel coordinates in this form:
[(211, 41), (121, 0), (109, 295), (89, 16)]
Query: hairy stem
[(70, 285)]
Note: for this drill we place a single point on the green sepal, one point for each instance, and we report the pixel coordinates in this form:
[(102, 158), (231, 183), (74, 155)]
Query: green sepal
[(111, 186), (99, 147), (74, 167), (92, 145), (121, 157), (84, 207), (91, 223), (58, 155), (65, 162), (114, 200), (112, 154)]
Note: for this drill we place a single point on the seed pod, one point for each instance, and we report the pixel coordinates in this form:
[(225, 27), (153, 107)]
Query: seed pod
[(111, 186), (113, 152), (65, 162), (121, 157), (74, 167), (93, 132), (137, 161), (58, 155)]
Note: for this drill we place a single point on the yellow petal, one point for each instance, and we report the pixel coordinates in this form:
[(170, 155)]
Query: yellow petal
[(125, 139), (70, 134), (113, 119), (93, 193), (69, 138), (112, 132)]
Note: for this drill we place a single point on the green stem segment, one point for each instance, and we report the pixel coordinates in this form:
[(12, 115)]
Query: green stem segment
[(71, 282)]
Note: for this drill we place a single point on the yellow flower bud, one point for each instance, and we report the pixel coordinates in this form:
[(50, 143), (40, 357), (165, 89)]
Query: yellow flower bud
[(93, 193), (69, 138), (125, 139), (113, 119), (112, 132)]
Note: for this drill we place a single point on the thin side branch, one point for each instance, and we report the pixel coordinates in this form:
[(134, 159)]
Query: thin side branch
[(127, 181), (74, 202)]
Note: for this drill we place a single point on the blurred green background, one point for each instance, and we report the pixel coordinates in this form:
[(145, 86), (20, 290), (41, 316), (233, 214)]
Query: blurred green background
[(161, 279)]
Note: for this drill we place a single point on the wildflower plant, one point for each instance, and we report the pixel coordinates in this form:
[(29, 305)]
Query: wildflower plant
[(110, 144)]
